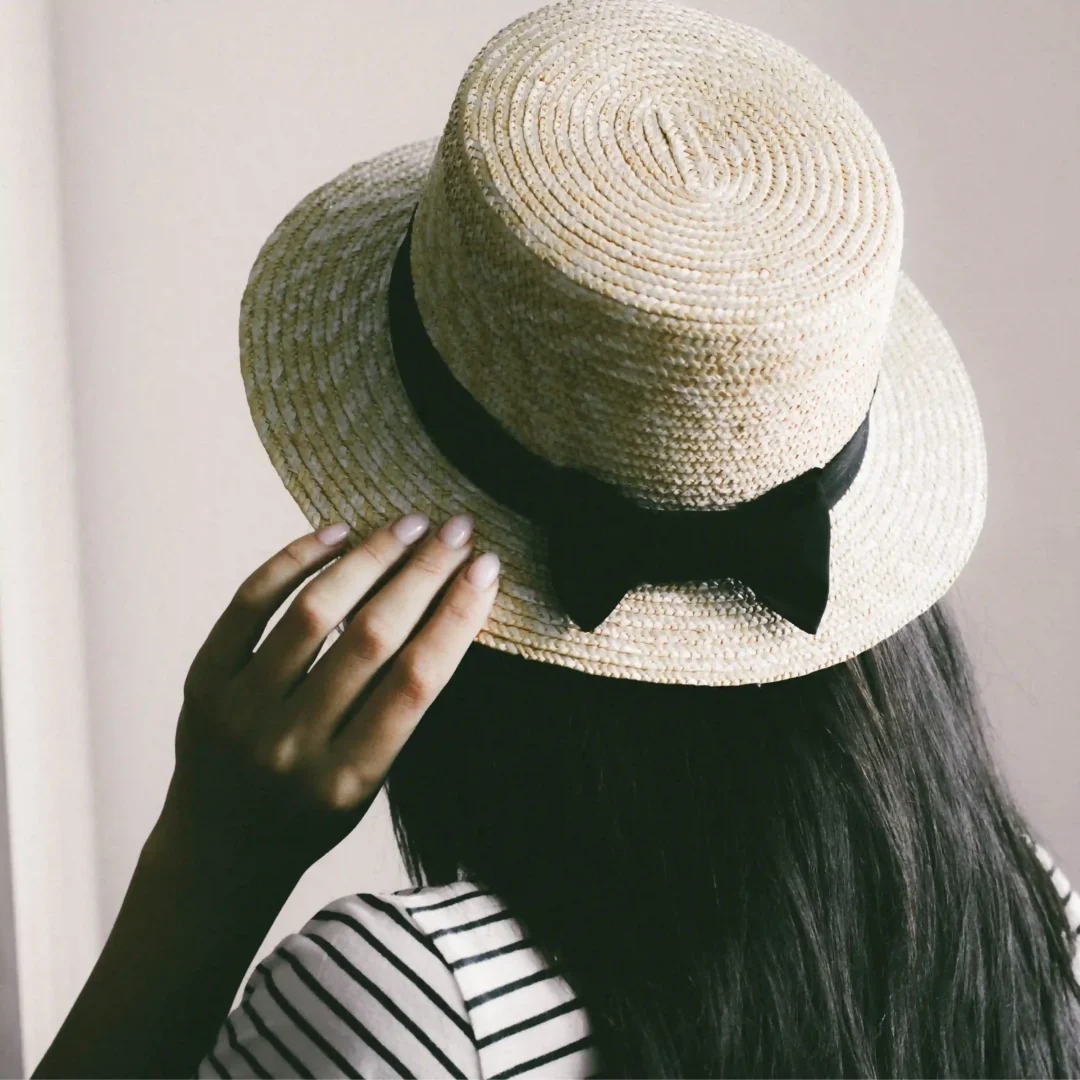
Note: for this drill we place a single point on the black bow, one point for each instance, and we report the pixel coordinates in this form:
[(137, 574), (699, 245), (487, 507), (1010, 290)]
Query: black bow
[(601, 544)]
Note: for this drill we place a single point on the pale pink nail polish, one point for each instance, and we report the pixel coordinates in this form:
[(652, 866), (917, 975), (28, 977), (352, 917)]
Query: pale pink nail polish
[(484, 571), (410, 528), (333, 534), (456, 531)]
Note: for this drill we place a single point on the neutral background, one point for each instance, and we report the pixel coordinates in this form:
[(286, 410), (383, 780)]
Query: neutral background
[(185, 130)]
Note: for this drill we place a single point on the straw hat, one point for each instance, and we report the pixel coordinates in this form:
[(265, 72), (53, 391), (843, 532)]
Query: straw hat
[(647, 299)]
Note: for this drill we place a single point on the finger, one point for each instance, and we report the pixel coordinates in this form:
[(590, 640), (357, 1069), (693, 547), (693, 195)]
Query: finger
[(238, 629), (291, 647), (378, 630), (357, 760)]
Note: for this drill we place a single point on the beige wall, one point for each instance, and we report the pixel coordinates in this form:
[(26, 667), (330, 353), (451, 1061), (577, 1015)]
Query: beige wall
[(44, 715), (187, 130)]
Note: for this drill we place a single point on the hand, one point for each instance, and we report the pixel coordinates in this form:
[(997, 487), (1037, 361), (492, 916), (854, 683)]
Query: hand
[(276, 763)]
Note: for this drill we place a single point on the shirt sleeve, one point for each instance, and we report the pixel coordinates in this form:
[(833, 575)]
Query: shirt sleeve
[(359, 992)]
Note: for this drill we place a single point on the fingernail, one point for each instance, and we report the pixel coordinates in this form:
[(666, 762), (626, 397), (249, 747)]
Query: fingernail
[(456, 531), (332, 534), (484, 570), (409, 528)]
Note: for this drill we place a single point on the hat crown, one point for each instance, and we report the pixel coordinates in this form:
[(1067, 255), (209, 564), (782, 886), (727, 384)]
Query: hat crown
[(660, 246)]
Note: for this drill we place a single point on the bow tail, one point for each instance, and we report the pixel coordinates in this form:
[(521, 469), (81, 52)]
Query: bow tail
[(589, 582), (787, 568), (595, 551)]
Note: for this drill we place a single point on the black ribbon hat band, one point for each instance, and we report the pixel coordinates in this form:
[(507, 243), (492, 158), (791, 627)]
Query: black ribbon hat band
[(600, 543)]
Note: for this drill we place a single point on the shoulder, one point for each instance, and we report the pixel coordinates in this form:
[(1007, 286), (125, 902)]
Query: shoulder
[(524, 1014), (436, 981), (359, 991)]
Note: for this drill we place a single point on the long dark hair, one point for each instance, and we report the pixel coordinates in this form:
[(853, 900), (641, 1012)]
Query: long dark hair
[(823, 876)]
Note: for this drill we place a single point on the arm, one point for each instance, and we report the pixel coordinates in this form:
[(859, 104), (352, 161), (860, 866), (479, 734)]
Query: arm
[(168, 973), (277, 760)]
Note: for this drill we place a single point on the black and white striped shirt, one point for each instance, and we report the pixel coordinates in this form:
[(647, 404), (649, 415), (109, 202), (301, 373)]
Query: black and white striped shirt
[(427, 982)]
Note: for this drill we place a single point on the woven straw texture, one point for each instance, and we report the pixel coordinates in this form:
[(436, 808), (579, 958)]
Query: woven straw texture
[(660, 246)]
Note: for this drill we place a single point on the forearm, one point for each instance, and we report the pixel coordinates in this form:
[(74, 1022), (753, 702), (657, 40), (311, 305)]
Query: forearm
[(166, 979)]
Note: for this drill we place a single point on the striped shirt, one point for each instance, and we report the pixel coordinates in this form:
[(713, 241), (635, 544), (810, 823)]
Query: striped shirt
[(437, 981)]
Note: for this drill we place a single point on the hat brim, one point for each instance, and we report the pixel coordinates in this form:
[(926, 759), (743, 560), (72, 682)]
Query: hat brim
[(325, 395)]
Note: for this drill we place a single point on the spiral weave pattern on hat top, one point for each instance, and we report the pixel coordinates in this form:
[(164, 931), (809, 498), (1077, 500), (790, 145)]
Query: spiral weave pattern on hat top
[(661, 247), (330, 409)]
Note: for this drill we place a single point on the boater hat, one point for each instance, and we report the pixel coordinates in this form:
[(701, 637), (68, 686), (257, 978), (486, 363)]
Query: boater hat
[(640, 312)]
